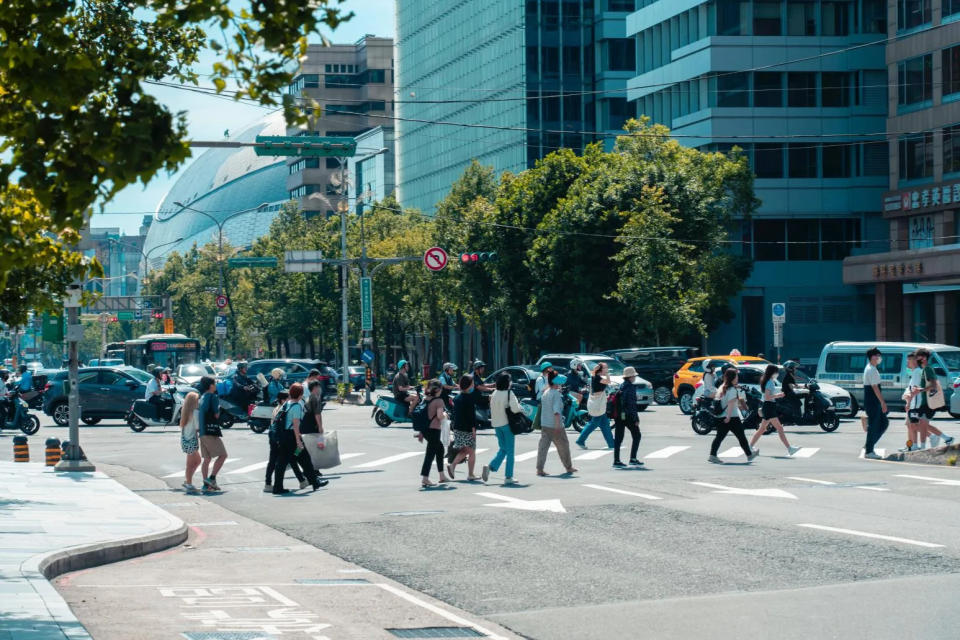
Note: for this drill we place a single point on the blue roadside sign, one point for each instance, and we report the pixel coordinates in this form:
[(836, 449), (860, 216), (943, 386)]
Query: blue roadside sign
[(367, 356)]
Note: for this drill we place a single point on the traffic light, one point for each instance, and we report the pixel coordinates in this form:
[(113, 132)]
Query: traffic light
[(114, 319), (475, 258), (156, 315)]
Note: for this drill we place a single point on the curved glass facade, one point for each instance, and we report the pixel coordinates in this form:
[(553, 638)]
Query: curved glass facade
[(223, 183)]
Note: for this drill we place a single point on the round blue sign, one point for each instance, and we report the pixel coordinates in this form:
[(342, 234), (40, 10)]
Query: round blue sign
[(779, 309)]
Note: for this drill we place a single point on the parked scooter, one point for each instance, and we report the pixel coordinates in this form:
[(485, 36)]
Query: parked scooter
[(145, 414), (816, 409), (15, 415)]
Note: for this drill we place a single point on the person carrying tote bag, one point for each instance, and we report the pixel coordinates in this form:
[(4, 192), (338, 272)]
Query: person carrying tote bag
[(597, 407)]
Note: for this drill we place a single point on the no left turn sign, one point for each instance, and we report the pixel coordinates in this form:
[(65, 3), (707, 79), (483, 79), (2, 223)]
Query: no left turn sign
[(435, 258)]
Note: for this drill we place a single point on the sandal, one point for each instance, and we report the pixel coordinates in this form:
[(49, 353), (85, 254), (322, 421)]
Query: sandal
[(542, 473), (426, 482), (473, 478)]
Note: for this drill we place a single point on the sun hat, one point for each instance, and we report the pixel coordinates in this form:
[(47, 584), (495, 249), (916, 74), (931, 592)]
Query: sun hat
[(629, 372)]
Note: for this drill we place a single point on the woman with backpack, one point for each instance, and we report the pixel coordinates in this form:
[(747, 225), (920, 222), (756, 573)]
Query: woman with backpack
[(273, 437), (597, 407), (436, 413), (731, 419), (290, 443), (501, 401), (768, 410)]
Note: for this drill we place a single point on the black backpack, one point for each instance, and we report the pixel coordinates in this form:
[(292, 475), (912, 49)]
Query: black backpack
[(421, 416), (279, 421)]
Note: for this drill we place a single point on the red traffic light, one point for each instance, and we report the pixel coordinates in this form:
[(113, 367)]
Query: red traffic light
[(465, 258), (474, 257), (114, 319)]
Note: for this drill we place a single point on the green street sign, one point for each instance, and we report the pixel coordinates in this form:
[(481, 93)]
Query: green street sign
[(52, 328), (366, 304), (125, 315), (266, 262), (305, 146)]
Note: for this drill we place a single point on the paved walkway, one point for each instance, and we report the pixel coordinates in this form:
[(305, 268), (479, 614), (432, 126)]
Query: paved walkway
[(55, 522)]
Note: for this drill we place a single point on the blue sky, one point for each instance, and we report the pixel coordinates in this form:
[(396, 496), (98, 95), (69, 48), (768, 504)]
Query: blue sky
[(208, 117)]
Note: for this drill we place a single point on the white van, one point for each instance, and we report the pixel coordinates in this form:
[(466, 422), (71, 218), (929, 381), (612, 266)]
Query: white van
[(842, 364)]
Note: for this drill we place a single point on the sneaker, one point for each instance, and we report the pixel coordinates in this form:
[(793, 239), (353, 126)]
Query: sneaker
[(714, 460), (485, 474), (872, 456), (947, 440), (304, 483), (753, 455), (619, 465), (792, 450), (934, 441), (509, 481), (268, 488), (281, 492), (581, 445), (209, 485), (213, 481), (189, 488), (636, 463)]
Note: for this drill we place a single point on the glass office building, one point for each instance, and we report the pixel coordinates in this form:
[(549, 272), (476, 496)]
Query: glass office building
[(793, 83), (526, 77)]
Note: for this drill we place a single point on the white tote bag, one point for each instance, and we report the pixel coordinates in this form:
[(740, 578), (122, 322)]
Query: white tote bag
[(597, 403), (327, 457)]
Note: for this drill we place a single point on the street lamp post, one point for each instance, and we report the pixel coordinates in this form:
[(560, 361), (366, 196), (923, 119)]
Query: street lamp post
[(220, 224)]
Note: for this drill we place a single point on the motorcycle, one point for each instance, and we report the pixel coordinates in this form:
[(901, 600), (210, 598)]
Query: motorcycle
[(815, 409), (573, 415), (707, 413), (15, 415), (145, 414), (388, 410)]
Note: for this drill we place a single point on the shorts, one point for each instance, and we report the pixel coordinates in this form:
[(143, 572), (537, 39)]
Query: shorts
[(768, 410), (212, 447), (922, 413), (189, 445)]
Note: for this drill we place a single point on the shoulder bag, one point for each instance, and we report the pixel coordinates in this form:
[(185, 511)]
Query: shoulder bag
[(514, 419), (935, 399)]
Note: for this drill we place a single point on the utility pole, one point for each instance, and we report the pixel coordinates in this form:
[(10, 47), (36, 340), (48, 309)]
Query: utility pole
[(72, 459), (343, 206)]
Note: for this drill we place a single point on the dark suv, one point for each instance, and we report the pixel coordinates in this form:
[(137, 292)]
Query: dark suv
[(656, 364), (105, 392), (296, 370)]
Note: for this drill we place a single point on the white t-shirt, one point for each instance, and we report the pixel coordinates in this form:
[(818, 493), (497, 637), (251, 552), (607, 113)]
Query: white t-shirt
[(915, 378), (152, 387), (709, 384), (731, 411), (871, 376)]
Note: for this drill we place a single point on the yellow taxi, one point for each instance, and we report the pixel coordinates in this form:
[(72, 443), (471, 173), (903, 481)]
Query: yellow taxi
[(686, 378)]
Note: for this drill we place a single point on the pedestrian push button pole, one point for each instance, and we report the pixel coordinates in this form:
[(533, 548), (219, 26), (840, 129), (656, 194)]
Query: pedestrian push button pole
[(21, 449), (52, 451)]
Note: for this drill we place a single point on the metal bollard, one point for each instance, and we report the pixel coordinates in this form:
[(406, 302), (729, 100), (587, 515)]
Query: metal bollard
[(21, 449), (53, 451)]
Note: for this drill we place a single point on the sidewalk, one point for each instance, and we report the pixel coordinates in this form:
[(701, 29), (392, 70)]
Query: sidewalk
[(55, 522), (238, 579)]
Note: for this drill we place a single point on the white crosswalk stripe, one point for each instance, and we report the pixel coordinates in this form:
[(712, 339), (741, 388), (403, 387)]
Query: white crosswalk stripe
[(593, 455), (732, 452), (180, 472), (666, 452), (388, 460), (248, 468), (347, 456), (528, 455), (806, 452), (646, 496)]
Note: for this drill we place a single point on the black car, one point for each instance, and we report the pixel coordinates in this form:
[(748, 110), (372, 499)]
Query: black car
[(522, 378), (656, 364), (296, 370), (105, 393)]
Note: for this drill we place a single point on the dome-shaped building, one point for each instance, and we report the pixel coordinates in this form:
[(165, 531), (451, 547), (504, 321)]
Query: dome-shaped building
[(223, 183)]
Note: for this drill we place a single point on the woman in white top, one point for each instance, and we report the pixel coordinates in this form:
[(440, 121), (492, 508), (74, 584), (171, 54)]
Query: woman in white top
[(768, 387), (500, 401), (729, 399), (189, 442)]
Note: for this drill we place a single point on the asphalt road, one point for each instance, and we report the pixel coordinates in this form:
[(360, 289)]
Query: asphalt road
[(826, 544)]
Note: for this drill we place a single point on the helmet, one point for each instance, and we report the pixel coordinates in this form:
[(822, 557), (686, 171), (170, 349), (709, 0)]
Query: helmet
[(709, 364), (401, 364), (241, 366), (545, 366), (449, 365), (4, 374), (791, 365), (478, 364)]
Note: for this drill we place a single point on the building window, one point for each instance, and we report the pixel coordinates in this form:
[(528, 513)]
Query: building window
[(951, 149), (302, 190), (731, 16), (767, 89), (801, 18), (835, 90), (733, 90), (804, 238), (766, 18), (951, 69), (768, 160), (873, 16), (950, 7), (915, 79), (769, 237), (912, 13), (916, 156), (622, 54), (801, 89), (835, 17), (836, 160), (620, 110), (803, 160), (620, 5)]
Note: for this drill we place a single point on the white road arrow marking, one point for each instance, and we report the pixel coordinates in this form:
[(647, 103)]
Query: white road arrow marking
[(762, 493), (510, 502), (621, 491), (825, 482), (938, 481)]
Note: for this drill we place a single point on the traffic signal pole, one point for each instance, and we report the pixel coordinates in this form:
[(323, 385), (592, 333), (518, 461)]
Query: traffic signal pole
[(72, 458)]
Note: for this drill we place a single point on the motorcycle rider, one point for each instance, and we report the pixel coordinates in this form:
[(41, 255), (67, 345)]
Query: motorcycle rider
[(402, 389), (789, 387), (448, 382), (6, 402), (244, 388), (25, 386), (479, 371), (154, 395)]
